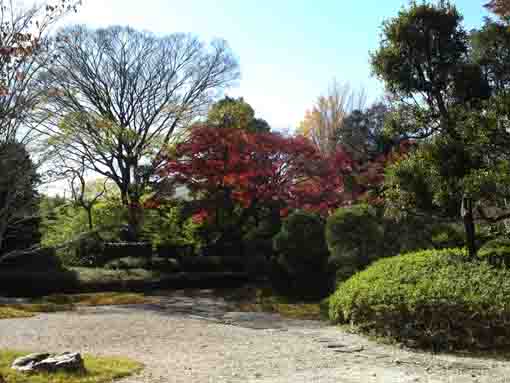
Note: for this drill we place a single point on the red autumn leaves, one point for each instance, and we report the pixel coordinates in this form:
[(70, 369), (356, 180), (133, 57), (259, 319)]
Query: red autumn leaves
[(267, 169), (261, 168)]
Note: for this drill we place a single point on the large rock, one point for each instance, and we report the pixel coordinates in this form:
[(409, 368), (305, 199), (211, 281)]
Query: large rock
[(45, 362)]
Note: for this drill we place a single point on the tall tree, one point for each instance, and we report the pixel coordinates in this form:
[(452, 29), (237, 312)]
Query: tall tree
[(120, 96), (235, 113), (325, 120), (424, 62)]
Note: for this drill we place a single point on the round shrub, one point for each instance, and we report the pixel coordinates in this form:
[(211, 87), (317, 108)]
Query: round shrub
[(431, 298), (496, 252), (355, 238), (301, 267)]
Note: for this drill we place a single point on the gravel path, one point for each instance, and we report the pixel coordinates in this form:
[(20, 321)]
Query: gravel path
[(200, 340)]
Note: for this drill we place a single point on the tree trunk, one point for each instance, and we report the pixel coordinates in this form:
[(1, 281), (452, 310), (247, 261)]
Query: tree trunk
[(89, 216), (469, 226), (135, 216)]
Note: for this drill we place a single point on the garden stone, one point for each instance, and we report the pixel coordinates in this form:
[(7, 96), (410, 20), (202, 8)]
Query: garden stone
[(45, 362)]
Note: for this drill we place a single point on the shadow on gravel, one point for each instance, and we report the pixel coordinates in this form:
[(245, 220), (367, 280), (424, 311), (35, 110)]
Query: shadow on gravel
[(205, 305)]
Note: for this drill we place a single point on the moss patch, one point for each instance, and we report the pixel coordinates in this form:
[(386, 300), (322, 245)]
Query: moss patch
[(98, 370)]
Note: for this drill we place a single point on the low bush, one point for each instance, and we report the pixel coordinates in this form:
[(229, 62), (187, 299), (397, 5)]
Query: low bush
[(43, 259), (496, 252), (301, 267), (212, 264), (32, 283), (431, 298), (445, 236), (167, 265), (117, 250), (355, 238), (128, 263)]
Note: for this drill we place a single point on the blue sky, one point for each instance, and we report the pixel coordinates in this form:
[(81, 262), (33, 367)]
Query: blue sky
[(289, 50)]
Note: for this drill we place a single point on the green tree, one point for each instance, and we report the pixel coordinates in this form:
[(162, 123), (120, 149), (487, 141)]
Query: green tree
[(438, 90), (236, 113), (18, 199)]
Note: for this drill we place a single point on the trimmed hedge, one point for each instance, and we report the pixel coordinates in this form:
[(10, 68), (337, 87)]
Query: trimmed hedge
[(355, 238), (431, 298), (301, 269), (20, 283)]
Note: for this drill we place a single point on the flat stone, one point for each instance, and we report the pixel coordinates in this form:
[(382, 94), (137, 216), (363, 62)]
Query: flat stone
[(45, 362), (350, 349), (335, 345)]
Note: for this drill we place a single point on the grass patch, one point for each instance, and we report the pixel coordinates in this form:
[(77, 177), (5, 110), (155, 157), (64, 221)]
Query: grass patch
[(252, 299), (99, 370), (12, 313), (69, 302)]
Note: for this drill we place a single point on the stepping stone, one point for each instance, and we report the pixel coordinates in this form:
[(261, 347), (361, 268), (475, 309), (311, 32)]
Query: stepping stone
[(349, 350), (338, 345)]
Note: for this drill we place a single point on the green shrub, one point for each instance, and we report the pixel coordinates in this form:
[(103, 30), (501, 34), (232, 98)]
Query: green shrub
[(117, 250), (445, 236), (355, 238), (166, 265), (431, 298), (127, 263), (88, 252), (301, 266), (496, 252), (43, 259)]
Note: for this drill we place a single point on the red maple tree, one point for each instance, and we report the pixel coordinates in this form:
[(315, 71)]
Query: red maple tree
[(259, 169)]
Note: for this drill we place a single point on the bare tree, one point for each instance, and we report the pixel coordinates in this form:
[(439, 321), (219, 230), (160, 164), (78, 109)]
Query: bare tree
[(119, 97), (326, 118)]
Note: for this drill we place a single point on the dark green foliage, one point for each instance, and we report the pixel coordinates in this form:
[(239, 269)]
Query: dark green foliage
[(447, 236), (432, 298), (175, 251), (89, 252), (236, 113), (127, 263), (19, 224), (301, 266), (166, 265), (496, 252), (37, 283), (211, 264), (43, 259), (355, 238), (117, 250), (491, 50)]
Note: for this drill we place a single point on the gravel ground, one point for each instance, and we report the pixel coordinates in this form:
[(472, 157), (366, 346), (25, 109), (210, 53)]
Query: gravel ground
[(199, 339)]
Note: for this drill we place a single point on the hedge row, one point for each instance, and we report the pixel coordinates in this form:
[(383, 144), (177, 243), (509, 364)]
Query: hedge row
[(433, 298)]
